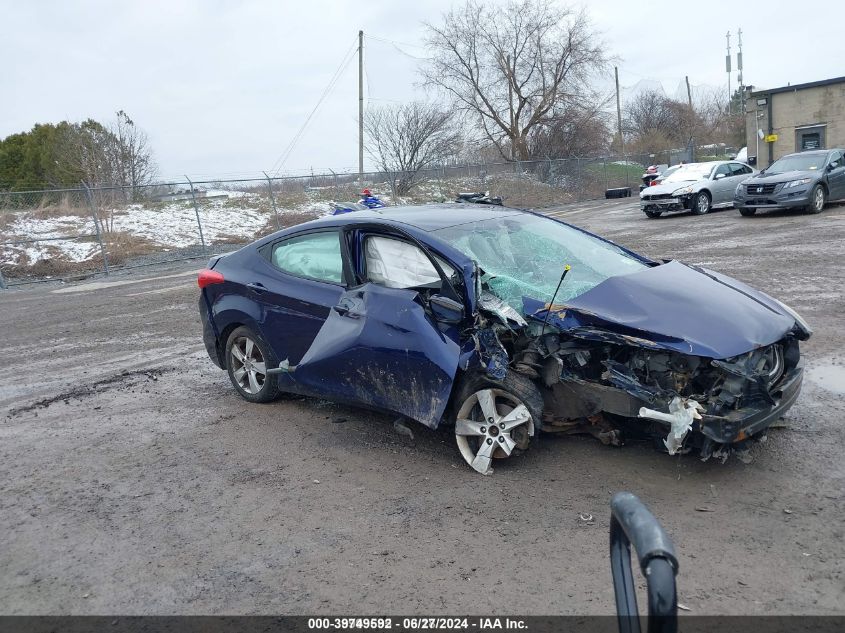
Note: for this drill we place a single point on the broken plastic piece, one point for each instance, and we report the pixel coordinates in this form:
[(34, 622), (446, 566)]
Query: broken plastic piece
[(493, 355), (490, 302), (680, 417), (284, 368)]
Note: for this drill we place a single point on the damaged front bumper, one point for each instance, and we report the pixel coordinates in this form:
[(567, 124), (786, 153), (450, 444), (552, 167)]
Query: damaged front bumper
[(665, 203), (747, 422)]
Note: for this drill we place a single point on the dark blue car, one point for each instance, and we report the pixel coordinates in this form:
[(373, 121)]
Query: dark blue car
[(502, 323)]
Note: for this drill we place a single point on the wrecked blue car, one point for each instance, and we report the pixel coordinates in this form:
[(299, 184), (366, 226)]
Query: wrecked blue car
[(501, 323)]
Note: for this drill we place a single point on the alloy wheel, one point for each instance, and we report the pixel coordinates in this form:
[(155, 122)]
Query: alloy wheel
[(248, 367), (492, 423), (818, 200)]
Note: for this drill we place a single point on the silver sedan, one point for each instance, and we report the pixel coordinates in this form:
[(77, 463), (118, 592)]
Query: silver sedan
[(696, 187)]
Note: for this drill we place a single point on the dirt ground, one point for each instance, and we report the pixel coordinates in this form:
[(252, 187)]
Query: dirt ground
[(133, 480)]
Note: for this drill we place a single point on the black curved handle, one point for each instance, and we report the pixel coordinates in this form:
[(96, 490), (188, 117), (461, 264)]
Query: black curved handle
[(631, 522)]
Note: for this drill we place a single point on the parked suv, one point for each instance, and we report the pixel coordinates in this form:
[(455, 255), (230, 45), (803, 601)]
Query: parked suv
[(806, 180)]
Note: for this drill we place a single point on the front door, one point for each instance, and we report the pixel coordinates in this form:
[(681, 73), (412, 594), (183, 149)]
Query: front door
[(722, 187), (380, 345), (836, 176)]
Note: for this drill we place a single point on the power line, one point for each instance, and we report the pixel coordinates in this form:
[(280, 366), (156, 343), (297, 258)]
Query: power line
[(280, 162), (389, 41), (396, 46)]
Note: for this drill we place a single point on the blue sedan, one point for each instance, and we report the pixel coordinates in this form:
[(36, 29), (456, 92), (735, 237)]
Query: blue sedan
[(501, 323)]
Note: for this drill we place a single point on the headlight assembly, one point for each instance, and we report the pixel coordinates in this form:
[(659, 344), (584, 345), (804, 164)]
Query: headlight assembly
[(682, 191), (797, 183), (802, 324)]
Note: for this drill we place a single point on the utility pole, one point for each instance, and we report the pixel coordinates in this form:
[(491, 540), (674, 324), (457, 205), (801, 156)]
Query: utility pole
[(739, 67), (728, 69), (619, 114), (690, 145), (361, 107), (689, 94)]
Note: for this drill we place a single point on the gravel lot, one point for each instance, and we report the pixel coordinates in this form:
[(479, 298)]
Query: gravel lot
[(133, 480)]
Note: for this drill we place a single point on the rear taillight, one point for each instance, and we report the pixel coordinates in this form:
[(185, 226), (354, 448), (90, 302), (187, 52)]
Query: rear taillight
[(653, 183), (208, 277)]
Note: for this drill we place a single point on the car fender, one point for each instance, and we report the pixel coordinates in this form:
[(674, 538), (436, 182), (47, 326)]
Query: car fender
[(231, 310)]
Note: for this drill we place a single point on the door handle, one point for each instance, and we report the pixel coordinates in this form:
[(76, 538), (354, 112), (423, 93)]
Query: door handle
[(257, 287)]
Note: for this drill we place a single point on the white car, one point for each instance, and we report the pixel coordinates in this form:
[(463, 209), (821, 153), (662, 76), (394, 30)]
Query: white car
[(696, 187)]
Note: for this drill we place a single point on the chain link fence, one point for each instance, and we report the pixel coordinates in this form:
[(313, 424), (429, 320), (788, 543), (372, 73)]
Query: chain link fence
[(74, 233)]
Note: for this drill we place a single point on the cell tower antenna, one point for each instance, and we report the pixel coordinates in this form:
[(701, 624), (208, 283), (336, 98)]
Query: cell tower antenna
[(728, 69)]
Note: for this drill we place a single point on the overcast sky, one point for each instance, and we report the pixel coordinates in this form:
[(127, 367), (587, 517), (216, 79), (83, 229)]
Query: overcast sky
[(223, 87)]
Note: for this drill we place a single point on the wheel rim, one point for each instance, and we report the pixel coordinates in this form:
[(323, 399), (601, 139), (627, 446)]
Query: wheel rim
[(703, 203), (818, 200), (490, 424), (248, 368)]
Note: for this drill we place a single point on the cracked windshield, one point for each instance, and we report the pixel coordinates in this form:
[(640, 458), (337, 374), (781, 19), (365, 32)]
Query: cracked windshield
[(524, 256)]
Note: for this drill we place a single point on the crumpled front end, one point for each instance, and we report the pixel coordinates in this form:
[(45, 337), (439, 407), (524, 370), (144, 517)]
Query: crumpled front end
[(605, 378)]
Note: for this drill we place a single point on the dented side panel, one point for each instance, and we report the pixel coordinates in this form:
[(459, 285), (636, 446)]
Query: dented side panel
[(380, 348)]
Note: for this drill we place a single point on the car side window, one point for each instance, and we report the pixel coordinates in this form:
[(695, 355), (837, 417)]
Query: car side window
[(725, 170), (836, 159), (738, 170), (314, 255), (395, 263)]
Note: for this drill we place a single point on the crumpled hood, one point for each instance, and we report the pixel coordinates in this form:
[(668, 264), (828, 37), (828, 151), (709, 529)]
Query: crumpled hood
[(665, 188), (676, 307)]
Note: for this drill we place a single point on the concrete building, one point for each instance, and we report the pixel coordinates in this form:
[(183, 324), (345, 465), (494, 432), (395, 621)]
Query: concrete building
[(794, 118)]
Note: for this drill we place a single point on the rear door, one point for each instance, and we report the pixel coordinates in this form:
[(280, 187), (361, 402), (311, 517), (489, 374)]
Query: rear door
[(739, 173), (298, 281), (380, 345)]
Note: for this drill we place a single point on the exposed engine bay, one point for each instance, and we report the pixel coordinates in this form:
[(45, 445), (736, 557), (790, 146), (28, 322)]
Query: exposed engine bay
[(612, 386)]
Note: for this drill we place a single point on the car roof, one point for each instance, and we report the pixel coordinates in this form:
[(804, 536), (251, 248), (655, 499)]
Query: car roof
[(428, 217), (810, 151)]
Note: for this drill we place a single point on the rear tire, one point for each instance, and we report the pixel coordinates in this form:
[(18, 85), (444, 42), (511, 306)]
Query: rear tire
[(700, 203), (817, 200), (654, 214), (248, 357), (746, 212)]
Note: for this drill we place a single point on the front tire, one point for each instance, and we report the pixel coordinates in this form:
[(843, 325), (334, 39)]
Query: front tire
[(654, 214), (817, 200), (701, 203), (495, 418), (247, 359), (746, 212)]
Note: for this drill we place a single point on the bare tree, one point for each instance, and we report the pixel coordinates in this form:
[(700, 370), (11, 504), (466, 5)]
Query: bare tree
[(514, 68), (130, 153), (654, 122), (405, 139), (576, 132)]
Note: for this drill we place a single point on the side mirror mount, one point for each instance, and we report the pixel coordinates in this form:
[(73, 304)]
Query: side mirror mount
[(832, 166), (446, 310)]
